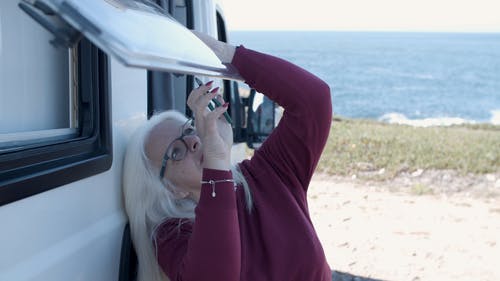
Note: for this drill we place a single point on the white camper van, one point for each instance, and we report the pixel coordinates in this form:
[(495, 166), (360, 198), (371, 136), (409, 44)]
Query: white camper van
[(76, 78)]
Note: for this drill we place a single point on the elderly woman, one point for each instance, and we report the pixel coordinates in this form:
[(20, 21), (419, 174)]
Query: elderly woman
[(194, 217)]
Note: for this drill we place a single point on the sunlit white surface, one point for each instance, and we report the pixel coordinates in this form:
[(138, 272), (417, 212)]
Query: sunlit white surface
[(382, 15), (495, 117)]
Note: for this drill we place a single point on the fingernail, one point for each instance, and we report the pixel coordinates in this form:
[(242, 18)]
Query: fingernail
[(209, 83), (225, 104), (214, 90)]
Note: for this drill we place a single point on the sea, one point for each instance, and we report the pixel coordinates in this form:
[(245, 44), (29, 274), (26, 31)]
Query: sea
[(414, 78)]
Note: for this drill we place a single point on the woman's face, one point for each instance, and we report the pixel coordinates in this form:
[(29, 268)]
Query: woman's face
[(186, 173)]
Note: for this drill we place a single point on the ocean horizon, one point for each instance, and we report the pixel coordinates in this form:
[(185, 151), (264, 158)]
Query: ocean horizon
[(414, 78)]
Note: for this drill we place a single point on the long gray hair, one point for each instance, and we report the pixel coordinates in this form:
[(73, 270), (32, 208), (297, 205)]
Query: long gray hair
[(150, 201)]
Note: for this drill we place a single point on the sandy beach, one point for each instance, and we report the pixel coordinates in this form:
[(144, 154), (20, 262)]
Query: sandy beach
[(382, 231)]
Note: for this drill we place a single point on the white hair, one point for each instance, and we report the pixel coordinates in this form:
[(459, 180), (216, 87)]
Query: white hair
[(150, 201)]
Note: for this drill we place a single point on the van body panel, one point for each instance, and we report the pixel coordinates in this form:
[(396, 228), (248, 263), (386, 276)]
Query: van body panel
[(63, 232)]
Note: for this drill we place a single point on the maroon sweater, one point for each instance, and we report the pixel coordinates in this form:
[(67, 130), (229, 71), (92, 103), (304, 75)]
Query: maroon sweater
[(276, 240)]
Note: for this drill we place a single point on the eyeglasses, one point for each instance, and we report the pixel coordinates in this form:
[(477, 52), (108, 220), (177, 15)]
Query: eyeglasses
[(178, 148)]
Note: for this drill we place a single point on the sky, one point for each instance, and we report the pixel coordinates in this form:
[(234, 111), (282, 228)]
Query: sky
[(363, 15)]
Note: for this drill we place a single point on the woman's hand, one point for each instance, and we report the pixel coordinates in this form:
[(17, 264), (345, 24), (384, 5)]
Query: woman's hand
[(214, 131), (225, 52)]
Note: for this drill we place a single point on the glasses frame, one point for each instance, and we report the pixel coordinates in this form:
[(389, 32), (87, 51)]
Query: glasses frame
[(166, 157)]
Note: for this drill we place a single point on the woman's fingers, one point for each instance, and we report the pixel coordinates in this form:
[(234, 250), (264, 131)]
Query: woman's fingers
[(196, 94), (208, 108), (200, 101), (219, 111), (212, 116), (203, 103)]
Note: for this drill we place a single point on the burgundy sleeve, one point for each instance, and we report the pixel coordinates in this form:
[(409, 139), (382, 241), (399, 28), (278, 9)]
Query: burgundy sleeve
[(295, 146), (213, 250)]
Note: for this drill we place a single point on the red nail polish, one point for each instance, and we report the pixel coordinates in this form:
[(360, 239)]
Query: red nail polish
[(209, 83), (225, 104), (214, 90)]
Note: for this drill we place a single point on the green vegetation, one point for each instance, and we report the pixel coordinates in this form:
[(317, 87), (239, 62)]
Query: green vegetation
[(385, 150), (421, 189)]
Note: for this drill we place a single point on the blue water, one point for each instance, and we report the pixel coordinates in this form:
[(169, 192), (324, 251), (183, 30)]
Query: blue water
[(396, 75)]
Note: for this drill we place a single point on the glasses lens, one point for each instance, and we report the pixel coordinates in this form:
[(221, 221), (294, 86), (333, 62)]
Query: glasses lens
[(178, 150)]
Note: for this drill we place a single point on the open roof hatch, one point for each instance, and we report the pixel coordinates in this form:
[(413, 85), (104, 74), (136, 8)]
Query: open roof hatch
[(137, 33)]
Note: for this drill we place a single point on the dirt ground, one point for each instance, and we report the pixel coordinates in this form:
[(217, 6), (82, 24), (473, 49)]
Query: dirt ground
[(398, 230)]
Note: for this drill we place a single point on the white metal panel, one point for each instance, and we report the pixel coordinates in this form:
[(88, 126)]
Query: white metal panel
[(129, 90), (68, 233)]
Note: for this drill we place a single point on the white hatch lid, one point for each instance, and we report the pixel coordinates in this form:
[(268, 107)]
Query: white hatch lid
[(140, 35)]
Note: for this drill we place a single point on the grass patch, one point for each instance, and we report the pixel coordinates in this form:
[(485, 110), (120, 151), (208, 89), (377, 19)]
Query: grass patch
[(364, 146), (421, 189)]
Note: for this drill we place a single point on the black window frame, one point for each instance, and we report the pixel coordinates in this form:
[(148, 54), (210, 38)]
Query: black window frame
[(231, 93), (30, 170)]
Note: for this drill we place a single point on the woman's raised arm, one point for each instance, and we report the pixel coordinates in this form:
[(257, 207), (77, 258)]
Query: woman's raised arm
[(295, 146)]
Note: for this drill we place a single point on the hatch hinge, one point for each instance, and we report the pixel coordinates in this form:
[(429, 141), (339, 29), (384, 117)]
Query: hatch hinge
[(64, 34)]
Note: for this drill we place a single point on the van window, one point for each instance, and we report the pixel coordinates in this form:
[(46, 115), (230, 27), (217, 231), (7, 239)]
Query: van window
[(230, 91), (54, 113), (181, 12), (168, 90), (36, 92)]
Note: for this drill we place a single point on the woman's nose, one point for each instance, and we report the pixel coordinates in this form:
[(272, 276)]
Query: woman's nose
[(193, 142)]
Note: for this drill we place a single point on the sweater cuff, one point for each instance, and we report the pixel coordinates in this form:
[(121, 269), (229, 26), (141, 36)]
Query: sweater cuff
[(247, 61), (238, 59), (225, 197)]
